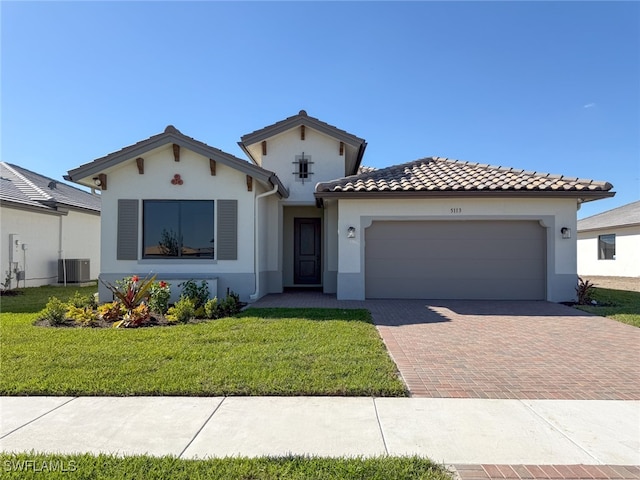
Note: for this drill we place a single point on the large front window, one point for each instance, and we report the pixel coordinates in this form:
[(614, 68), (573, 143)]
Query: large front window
[(178, 228)]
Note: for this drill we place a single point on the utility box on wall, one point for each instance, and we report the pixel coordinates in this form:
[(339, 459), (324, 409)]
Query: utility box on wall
[(77, 270)]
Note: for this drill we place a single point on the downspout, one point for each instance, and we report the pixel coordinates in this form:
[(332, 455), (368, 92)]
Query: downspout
[(61, 253), (256, 246)]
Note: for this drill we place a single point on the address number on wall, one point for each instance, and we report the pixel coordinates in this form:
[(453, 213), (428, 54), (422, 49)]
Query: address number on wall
[(456, 210)]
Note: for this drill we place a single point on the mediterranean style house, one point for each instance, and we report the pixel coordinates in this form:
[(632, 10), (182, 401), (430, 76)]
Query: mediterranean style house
[(304, 212)]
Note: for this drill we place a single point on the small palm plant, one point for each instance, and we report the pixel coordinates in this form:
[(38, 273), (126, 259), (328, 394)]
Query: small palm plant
[(132, 292)]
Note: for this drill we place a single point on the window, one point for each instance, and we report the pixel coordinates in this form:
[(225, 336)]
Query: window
[(303, 167), (607, 247), (178, 229)]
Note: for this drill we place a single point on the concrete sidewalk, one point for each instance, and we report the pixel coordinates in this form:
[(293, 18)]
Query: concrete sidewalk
[(450, 431)]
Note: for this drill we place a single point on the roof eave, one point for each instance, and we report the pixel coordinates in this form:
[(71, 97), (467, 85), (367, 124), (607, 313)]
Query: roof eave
[(99, 165), (45, 209), (581, 196), (607, 227), (296, 121)]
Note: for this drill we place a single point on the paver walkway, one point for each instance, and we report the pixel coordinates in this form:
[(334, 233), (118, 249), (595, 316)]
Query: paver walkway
[(499, 349)]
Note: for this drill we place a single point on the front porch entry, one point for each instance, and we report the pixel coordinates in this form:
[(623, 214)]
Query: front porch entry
[(307, 247), (302, 247)]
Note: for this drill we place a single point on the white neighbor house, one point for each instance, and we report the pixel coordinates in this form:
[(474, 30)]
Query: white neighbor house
[(44, 220), (609, 243), (303, 212)]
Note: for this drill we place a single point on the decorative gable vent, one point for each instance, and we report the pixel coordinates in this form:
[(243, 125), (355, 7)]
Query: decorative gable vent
[(303, 169)]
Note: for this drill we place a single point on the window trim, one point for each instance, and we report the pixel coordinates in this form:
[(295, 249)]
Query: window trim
[(602, 250), (154, 258)]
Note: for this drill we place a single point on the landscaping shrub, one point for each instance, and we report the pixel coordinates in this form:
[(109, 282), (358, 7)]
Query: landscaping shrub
[(211, 308), (225, 308), (83, 301), (585, 291), (111, 312), (182, 311), (159, 295), (85, 316), (54, 312), (131, 291), (199, 294)]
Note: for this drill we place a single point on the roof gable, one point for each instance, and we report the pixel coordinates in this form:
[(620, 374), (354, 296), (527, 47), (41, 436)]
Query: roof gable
[(441, 176), (172, 135), (355, 146), (24, 187), (297, 120), (626, 215)]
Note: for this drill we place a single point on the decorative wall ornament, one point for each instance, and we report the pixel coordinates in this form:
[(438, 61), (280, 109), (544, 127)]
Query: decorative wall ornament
[(176, 180)]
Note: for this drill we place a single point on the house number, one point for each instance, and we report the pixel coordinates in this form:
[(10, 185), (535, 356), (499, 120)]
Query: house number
[(456, 210)]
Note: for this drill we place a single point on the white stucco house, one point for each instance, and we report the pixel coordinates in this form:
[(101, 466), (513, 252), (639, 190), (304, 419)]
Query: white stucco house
[(609, 243), (302, 212), (44, 221)]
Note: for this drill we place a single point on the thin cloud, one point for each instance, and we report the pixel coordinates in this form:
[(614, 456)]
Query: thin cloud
[(589, 105)]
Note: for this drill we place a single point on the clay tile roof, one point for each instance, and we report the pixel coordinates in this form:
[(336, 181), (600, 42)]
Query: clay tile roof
[(301, 118), (436, 174)]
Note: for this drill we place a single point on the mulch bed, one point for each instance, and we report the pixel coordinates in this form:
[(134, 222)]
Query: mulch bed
[(154, 321)]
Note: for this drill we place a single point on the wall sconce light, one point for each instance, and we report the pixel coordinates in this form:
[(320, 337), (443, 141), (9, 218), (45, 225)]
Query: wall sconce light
[(100, 181), (351, 232), (566, 232)]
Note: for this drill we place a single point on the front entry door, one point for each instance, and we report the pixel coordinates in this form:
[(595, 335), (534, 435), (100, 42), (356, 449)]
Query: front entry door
[(306, 251)]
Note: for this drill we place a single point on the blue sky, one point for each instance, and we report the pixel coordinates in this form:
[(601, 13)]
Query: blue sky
[(547, 86)]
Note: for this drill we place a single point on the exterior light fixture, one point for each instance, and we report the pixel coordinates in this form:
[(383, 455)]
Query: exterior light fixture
[(96, 181), (351, 232), (566, 232)]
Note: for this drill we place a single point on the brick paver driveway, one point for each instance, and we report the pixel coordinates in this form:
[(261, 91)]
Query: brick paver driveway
[(499, 349)]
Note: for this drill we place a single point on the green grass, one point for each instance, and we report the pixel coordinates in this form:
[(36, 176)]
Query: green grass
[(621, 305), (259, 352), (32, 300), (265, 468)]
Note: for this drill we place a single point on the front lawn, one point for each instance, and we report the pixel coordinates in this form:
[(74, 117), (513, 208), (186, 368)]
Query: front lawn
[(259, 352), (621, 305), (27, 466)]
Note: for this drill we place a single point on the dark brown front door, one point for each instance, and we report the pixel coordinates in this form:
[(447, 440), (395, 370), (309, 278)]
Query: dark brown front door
[(306, 251)]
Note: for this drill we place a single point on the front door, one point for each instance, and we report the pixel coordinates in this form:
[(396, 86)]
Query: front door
[(306, 251)]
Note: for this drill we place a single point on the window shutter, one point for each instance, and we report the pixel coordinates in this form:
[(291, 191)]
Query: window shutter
[(227, 248), (127, 230)]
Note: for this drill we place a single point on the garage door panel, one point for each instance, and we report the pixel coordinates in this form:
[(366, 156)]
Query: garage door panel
[(474, 289), (472, 259)]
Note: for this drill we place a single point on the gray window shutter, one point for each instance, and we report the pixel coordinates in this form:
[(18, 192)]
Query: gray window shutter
[(127, 230), (227, 248)]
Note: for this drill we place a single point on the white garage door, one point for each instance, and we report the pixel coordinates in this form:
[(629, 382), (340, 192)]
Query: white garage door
[(492, 260)]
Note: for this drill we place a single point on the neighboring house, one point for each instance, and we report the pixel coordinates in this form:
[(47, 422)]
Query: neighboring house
[(44, 220), (304, 213), (609, 243)]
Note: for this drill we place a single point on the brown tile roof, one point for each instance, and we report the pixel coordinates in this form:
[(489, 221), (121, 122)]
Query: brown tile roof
[(302, 118), (442, 175)]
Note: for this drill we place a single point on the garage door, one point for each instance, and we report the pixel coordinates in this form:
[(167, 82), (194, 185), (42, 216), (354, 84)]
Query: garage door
[(456, 260)]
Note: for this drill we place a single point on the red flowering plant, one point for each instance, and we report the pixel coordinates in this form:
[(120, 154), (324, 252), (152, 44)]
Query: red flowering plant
[(132, 293), (159, 295)]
